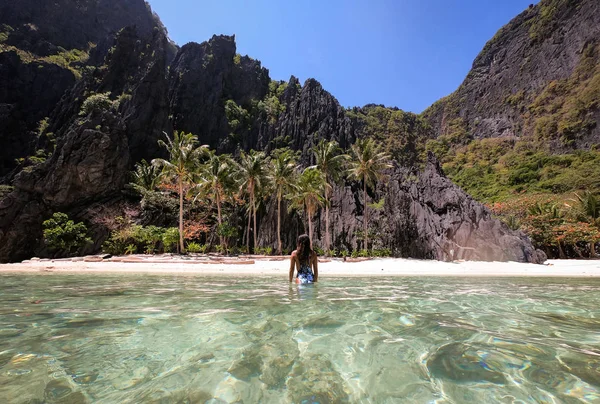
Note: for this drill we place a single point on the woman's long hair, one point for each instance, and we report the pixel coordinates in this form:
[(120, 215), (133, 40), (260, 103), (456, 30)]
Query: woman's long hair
[(304, 249)]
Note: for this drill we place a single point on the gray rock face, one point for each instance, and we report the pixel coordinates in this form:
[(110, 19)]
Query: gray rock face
[(311, 114), (28, 93), (444, 223), (204, 76)]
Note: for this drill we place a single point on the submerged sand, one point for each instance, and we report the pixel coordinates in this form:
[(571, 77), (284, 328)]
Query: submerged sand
[(279, 266)]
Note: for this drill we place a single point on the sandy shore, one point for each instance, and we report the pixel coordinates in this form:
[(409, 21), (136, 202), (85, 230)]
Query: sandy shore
[(261, 266)]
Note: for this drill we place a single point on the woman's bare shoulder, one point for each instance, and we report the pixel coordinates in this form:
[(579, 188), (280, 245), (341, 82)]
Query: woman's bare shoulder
[(294, 253)]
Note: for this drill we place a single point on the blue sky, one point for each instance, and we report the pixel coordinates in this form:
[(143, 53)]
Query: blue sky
[(404, 53)]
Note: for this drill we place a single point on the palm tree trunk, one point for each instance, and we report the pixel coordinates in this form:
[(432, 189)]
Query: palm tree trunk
[(326, 222), (593, 249), (365, 218), (561, 253), (219, 218), (254, 217), (310, 230), (248, 232), (181, 246), (279, 250)]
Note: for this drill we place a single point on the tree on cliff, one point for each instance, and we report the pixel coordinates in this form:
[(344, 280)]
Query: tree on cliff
[(282, 177), (184, 157), (216, 181), (308, 195), (331, 162), (253, 176), (367, 164)]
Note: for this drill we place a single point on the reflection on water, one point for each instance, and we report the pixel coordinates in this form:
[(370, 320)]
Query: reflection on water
[(193, 339)]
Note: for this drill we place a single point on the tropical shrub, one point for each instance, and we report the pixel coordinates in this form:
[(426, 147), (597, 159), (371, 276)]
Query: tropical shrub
[(63, 236), (196, 248)]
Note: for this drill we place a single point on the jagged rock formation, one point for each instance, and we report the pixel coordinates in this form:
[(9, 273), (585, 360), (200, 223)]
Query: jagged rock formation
[(44, 47), (230, 103), (524, 61)]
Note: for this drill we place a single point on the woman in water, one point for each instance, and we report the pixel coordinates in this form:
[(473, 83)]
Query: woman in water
[(304, 259)]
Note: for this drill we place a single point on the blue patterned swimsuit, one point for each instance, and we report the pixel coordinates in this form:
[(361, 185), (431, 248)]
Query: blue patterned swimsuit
[(305, 274)]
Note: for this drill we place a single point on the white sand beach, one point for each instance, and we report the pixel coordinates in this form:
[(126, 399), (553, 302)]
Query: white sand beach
[(279, 266)]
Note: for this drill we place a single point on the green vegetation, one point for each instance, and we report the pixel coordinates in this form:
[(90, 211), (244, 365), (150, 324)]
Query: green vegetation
[(5, 190), (237, 117), (96, 103), (564, 108), (282, 177), (271, 104), (129, 238), (401, 134), (367, 164), (73, 59), (308, 194), (219, 190), (63, 236), (184, 155), (215, 182), (564, 225), (496, 169), (5, 31), (332, 163), (253, 177), (516, 99), (543, 24)]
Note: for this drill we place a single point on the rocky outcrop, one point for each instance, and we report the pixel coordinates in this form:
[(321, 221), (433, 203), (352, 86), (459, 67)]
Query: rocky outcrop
[(43, 26), (28, 93), (424, 215), (310, 113), (203, 77), (431, 217), (544, 43), (34, 74)]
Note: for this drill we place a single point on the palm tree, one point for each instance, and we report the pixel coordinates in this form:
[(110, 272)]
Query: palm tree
[(308, 195), (589, 210), (367, 164), (253, 177), (331, 162), (184, 156), (282, 178), (216, 180), (146, 176)]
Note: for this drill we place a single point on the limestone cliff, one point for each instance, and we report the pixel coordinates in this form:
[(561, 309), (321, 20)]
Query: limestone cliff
[(107, 112), (538, 77)]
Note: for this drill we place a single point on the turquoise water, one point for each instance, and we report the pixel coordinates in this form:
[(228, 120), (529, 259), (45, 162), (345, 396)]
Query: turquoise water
[(193, 339)]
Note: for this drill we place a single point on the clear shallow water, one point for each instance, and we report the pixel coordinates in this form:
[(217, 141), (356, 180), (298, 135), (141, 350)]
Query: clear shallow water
[(186, 339)]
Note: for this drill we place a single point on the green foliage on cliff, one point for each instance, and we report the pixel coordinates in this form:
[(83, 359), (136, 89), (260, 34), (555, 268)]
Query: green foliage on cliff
[(497, 169), (543, 24), (96, 103), (237, 117), (5, 31), (564, 108), (402, 134)]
